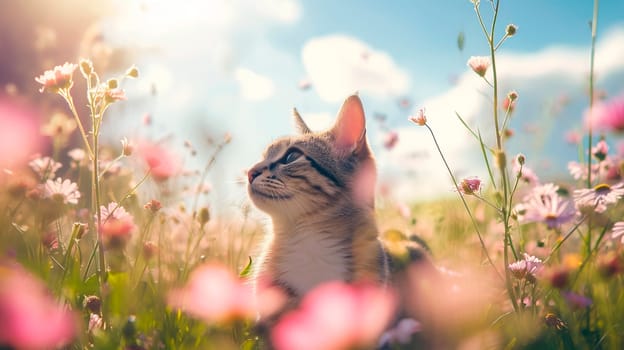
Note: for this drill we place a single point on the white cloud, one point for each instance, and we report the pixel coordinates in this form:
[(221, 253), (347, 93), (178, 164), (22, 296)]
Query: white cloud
[(287, 11), (253, 86), (339, 65), (537, 77)]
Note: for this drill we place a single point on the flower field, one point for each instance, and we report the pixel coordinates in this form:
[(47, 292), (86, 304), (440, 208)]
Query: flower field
[(115, 244)]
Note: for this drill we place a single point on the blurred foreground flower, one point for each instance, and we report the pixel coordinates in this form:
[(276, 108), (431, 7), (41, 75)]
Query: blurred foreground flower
[(214, 294), (19, 137), (58, 78), (336, 315), (162, 163), (608, 115), (59, 128), (29, 317), (448, 305), (116, 225), (391, 139)]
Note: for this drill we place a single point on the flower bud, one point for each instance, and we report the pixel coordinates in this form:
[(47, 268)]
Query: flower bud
[(512, 95), (126, 147), (511, 29), (153, 205), (86, 67), (132, 72), (93, 304), (521, 158), (203, 216), (112, 83)]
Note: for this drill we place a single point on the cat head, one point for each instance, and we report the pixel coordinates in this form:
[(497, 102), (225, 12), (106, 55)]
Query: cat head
[(303, 174)]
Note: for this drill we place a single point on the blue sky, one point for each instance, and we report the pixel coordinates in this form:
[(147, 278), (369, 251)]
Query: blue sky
[(234, 66)]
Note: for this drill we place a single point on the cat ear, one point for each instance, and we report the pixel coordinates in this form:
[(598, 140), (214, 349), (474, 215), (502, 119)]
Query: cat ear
[(299, 123), (350, 128)]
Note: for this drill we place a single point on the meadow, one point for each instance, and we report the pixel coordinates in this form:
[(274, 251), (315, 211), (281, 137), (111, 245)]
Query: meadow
[(114, 245)]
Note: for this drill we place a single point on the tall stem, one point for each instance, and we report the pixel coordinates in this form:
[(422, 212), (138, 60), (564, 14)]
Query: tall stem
[(101, 267), (474, 223), (70, 102), (591, 114)]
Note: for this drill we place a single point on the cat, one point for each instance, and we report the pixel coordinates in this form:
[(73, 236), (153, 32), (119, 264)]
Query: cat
[(318, 189)]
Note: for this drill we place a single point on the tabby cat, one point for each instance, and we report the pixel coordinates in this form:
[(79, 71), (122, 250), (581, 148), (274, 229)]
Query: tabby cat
[(318, 189)]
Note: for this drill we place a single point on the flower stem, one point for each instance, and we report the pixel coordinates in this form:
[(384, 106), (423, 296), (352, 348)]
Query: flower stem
[(70, 102), (461, 196)]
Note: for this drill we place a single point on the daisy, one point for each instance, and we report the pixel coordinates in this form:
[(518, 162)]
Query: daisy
[(479, 64), (618, 231), (526, 268), (599, 197), (58, 78), (545, 205), (45, 167), (62, 191), (116, 224)]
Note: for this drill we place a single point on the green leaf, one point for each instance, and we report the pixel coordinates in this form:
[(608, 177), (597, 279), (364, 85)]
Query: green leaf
[(246, 272), (461, 39)]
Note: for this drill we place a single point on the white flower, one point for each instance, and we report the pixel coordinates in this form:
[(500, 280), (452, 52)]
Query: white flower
[(599, 197), (45, 167), (63, 191), (618, 231)]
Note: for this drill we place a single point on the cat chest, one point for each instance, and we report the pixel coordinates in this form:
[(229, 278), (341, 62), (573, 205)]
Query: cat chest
[(306, 262)]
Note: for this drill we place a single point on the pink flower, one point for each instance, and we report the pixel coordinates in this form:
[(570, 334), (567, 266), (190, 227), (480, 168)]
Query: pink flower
[(545, 205), (608, 115), (577, 301), (508, 104), (29, 317), (112, 95), (214, 294), (61, 191), (391, 139), (116, 225), (58, 78), (573, 137), (161, 162), (479, 64), (470, 185), (336, 315), (420, 118), (601, 150), (526, 268), (19, 133)]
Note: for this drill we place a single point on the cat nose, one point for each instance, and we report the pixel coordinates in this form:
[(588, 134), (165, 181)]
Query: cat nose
[(253, 173)]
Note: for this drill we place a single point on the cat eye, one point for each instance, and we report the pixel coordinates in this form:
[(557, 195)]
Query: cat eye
[(291, 156)]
